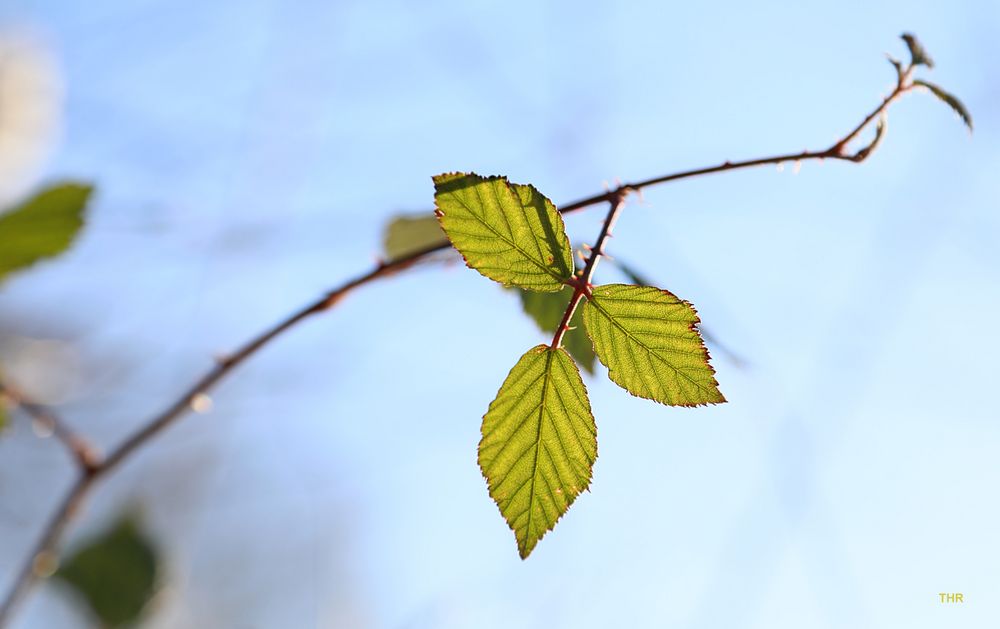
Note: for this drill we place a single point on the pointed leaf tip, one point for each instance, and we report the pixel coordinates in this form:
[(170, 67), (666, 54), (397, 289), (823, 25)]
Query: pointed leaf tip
[(649, 341), (539, 444), (918, 55), (897, 65), (949, 99), (508, 232)]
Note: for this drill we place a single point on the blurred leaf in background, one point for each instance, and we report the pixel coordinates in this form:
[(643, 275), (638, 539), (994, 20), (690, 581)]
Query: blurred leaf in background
[(547, 310), (42, 227), (407, 234), (115, 573)]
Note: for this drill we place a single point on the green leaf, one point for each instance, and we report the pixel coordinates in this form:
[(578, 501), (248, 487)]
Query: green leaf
[(115, 573), (950, 100), (41, 227), (635, 277), (539, 443), (918, 56), (547, 310), (408, 234), (648, 340), (508, 232)]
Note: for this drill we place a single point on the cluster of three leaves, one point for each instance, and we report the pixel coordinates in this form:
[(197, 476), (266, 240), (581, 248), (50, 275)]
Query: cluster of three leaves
[(539, 438)]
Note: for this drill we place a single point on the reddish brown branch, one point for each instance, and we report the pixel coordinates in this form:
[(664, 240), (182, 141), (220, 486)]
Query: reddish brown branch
[(44, 551), (582, 284)]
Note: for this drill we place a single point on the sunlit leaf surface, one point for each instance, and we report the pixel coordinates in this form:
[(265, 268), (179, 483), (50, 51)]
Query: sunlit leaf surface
[(649, 342), (539, 443), (508, 232)]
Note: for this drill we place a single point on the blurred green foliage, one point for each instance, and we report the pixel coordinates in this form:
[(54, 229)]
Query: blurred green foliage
[(115, 573), (42, 227)]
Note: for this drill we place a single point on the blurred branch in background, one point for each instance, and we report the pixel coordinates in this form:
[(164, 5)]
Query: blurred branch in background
[(46, 423)]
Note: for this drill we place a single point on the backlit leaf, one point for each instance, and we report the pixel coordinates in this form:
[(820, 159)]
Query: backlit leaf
[(41, 227), (918, 56), (408, 234), (649, 342), (115, 573), (547, 310), (539, 443), (508, 232), (635, 277), (950, 100)]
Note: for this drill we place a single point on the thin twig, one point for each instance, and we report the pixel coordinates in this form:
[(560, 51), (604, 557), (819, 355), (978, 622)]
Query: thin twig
[(42, 556), (43, 553), (582, 283), (84, 454)]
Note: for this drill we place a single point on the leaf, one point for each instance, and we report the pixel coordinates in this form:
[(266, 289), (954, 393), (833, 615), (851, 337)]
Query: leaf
[(547, 310), (897, 65), (631, 273), (406, 235), (950, 100), (648, 340), (880, 127), (918, 56), (635, 277), (539, 443), (41, 227), (115, 573), (508, 232)]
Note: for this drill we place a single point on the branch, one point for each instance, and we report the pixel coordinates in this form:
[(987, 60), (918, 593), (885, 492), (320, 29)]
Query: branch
[(582, 284), (41, 562), (85, 454)]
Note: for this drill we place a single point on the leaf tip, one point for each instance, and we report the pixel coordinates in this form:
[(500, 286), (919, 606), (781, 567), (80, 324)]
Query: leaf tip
[(675, 372), (918, 54), (949, 99)]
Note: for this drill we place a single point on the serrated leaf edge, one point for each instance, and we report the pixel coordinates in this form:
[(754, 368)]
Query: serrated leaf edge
[(522, 552), (693, 327), (444, 177)]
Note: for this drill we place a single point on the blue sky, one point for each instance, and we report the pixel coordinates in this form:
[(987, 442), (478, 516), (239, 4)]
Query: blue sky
[(247, 156)]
